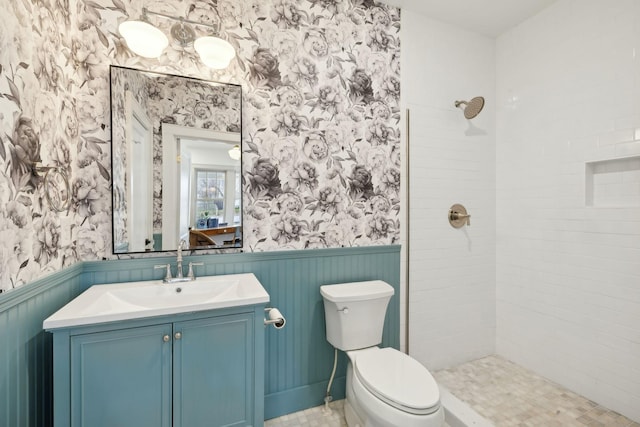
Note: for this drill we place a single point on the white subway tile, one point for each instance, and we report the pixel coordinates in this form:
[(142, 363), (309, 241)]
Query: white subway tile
[(567, 294)]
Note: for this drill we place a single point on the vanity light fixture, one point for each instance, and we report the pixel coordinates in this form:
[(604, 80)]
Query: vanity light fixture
[(146, 40), (214, 52), (143, 38), (234, 153)]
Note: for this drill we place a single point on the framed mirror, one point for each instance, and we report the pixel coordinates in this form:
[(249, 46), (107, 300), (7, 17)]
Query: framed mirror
[(176, 162)]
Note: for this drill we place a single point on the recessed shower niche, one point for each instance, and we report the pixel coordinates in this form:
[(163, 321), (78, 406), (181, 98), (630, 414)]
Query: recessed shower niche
[(613, 182)]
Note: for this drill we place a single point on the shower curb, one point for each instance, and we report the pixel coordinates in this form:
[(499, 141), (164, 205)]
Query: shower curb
[(459, 414)]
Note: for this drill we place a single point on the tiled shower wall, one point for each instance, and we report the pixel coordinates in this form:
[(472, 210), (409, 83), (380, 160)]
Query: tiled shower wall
[(452, 160), (568, 274)]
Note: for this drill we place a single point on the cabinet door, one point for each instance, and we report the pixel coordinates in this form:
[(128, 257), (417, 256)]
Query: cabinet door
[(122, 378), (213, 372)]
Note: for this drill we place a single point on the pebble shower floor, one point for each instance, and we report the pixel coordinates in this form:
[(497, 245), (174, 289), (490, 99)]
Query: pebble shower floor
[(510, 396)]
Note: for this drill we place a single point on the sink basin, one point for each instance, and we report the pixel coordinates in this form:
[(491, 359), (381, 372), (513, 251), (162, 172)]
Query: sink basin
[(135, 300)]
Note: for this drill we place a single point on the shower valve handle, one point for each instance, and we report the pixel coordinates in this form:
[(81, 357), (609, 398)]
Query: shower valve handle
[(458, 216)]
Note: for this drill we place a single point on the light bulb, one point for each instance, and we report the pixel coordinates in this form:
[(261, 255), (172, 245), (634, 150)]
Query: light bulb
[(214, 52), (143, 38), (235, 153)]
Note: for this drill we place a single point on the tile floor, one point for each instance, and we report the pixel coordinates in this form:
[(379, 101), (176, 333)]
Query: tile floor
[(510, 396), (314, 417), (499, 390)]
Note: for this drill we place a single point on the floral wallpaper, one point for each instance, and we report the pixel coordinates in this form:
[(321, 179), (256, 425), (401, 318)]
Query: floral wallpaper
[(320, 119)]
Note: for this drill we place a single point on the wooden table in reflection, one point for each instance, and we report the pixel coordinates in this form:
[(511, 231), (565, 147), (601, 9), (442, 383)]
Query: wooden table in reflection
[(219, 236)]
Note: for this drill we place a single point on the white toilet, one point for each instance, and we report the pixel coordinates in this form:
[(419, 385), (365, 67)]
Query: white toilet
[(385, 387)]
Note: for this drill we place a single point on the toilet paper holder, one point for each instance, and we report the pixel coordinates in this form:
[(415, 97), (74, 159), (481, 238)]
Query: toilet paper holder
[(274, 318)]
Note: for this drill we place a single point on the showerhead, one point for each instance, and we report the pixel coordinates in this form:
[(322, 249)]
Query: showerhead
[(473, 107)]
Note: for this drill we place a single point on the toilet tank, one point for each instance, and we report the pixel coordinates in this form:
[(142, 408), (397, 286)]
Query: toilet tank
[(355, 312)]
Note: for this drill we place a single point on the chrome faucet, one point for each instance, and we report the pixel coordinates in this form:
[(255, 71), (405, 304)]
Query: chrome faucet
[(179, 274), (181, 244)]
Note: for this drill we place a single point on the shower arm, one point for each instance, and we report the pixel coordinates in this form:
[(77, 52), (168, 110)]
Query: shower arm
[(471, 108)]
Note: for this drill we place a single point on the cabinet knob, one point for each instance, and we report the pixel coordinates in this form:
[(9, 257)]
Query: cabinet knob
[(166, 338), (178, 335)]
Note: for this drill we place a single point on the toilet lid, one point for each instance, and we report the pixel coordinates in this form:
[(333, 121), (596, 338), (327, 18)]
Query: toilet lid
[(398, 380)]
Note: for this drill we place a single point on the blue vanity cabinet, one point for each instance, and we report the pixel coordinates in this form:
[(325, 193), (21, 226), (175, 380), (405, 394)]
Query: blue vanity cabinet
[(186, 370), (213, 372), (121, 377)]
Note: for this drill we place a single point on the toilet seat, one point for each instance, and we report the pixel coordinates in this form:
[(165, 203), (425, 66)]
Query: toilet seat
[(398, 380)]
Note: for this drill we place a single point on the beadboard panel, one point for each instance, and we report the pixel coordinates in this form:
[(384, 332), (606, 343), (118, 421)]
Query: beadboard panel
[(26, 377), (298, 357)]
